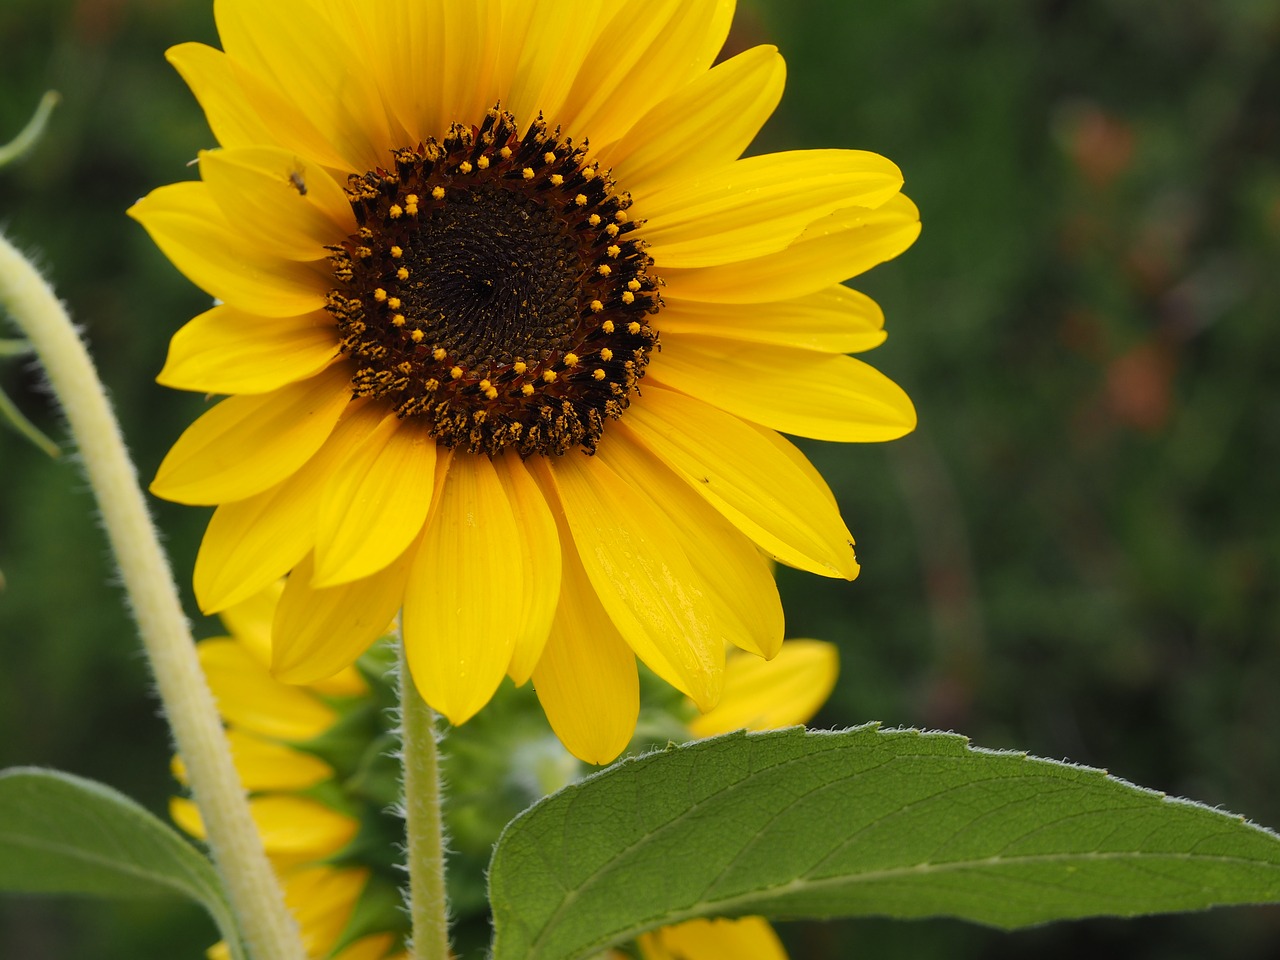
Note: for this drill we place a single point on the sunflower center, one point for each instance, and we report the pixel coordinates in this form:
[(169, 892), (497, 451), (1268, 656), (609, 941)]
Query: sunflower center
[(493, 290)]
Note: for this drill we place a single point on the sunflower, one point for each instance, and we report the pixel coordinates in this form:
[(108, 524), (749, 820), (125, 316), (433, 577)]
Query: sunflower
[(317, 761), (509, 333)]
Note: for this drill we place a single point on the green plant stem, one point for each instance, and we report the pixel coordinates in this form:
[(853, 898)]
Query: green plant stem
[(31, 133), (428, 905), (269, 930)]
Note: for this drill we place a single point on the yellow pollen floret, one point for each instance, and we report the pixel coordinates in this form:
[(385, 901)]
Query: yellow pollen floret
[(410, 199), (527, 173), (580, 199), (611, 229), (484, 386), (606, 354), (394, 303), (597, 373), (570, 359), (437, 193), (633, 328), (505, 153), (594, 219), (483, 163), (465, 166), (527, 389), (556, 180), (439, 353), (395, 211), (397, 252), (633, 284), (417, 336), (398, 320), (588, 172), (549, 157), (411, 209), (519, 366), (604, 269), (596, 307), (491, 394), (607, 326), (380, 295), (456, 373), (628, 297), (613, 250), (549, 376), (402, 273), (622, 216)]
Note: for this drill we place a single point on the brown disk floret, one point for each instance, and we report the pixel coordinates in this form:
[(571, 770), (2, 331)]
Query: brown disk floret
[(492, 290)]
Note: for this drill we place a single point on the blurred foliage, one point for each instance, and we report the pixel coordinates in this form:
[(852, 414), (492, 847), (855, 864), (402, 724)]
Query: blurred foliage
[(1076, 554)]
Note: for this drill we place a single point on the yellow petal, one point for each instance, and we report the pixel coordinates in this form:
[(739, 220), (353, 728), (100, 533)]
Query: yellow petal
[(644, 53), (265, 765), (317, 633), (765, 695), (747, 938), (225, 350), (249, 697), (372, 947), (759, 205), (435, 63), (633, 557), (209, 74), (222, 259), (295, 49), (744, 476), (540, 547), (249, 544), (837, 247), (463, 604), (801, 392), (297, 828), (834, 320), (701, 126), (246, 444), (249, 621), (735, 579), (559, 35), (375, 503), (586, 680), (322, 899), (292, 207)]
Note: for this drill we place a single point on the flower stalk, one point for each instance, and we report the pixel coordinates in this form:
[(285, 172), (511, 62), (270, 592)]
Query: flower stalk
[(269, 930), (424, 829)]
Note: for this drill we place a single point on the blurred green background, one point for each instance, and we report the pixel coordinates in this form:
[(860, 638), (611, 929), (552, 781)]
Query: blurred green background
[(1076, 554)]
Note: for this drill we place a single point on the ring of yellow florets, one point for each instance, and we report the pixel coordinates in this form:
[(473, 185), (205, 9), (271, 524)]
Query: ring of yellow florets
[(493, 290)]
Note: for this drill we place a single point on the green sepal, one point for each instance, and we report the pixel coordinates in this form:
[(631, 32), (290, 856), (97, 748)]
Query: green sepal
[(897, 823), (63, 834)]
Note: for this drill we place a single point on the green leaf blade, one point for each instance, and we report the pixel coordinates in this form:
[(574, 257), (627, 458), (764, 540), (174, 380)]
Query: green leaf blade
[(64, 834), (862, 822)]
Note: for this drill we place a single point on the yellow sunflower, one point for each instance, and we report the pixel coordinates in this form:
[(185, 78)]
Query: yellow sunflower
[(509, 331), (325, 823)]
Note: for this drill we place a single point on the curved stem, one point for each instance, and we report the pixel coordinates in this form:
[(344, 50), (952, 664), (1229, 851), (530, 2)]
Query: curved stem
[(269, 930), (428, 904)]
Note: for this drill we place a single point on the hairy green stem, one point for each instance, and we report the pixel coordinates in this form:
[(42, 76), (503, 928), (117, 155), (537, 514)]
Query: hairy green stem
[(428, 906), (269, 930)]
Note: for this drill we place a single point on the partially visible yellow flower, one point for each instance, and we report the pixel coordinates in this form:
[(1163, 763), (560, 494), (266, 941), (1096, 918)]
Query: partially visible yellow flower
[(293, 800), (447, 239)]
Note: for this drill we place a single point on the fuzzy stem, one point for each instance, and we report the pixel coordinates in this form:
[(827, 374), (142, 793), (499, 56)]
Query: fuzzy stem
[(428, 905), (269, 930)]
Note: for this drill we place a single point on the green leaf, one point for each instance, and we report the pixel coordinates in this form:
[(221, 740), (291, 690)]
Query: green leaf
[(64, 834), (898, 823)]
